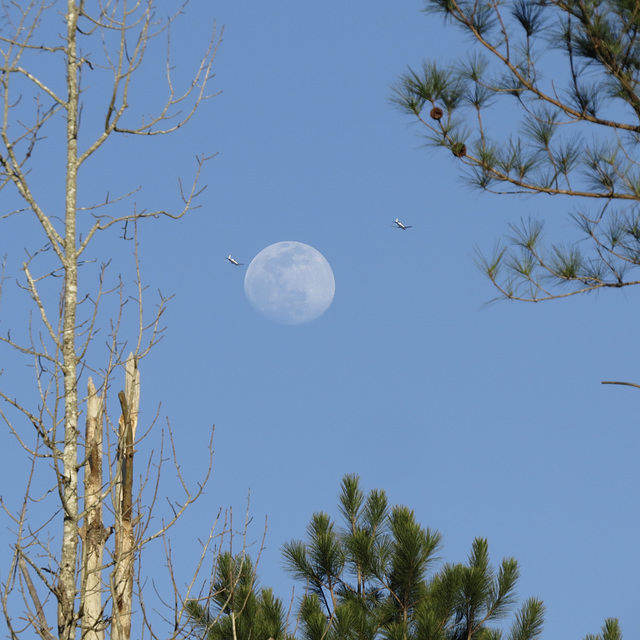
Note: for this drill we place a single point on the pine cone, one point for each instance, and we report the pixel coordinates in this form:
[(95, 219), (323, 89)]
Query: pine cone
[(436, 113), (459, 150)]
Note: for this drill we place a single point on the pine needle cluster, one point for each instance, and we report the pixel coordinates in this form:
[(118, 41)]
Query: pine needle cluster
[(240, 609)]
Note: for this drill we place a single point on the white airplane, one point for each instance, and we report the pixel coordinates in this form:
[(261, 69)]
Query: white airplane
[(399, 225), (233, 261)]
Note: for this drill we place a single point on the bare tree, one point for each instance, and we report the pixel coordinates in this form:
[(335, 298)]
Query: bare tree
[(86, 582)]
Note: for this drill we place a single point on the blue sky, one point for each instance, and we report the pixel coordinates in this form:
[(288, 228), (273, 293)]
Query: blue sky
[(487, 420)]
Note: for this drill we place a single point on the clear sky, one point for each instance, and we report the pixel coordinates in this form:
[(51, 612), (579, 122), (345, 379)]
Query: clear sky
[(487, 420)]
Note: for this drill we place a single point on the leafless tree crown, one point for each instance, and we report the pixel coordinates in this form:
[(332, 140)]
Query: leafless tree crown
[(72, 75)]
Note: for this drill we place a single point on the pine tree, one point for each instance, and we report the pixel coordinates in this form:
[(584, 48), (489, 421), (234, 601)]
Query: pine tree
[(240, 609), (373, 576), (571, 70)]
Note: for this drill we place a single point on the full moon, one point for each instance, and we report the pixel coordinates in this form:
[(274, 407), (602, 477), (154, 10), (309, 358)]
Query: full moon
[(290, 283)]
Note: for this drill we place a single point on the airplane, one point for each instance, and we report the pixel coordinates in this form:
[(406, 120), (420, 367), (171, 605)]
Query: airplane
[(399, 225), (235, 262)]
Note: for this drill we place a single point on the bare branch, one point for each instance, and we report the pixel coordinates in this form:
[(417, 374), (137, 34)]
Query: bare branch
[(628, 384)]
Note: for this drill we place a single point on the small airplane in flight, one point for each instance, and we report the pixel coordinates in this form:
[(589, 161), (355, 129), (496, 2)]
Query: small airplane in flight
[(399, 225), (234, 261)]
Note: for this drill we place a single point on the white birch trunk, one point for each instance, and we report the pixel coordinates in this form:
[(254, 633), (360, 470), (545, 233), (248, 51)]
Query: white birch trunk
[(66, 590)]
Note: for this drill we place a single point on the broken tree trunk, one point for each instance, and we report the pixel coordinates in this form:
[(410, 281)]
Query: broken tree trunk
[(122, 575), (93, 532)]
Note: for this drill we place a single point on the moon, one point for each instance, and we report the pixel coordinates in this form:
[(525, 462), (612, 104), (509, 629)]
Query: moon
[(290, 283)]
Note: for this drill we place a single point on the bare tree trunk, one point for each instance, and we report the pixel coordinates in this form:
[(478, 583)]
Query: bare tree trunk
[(93, 533), (122, 576), (67, 579)]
